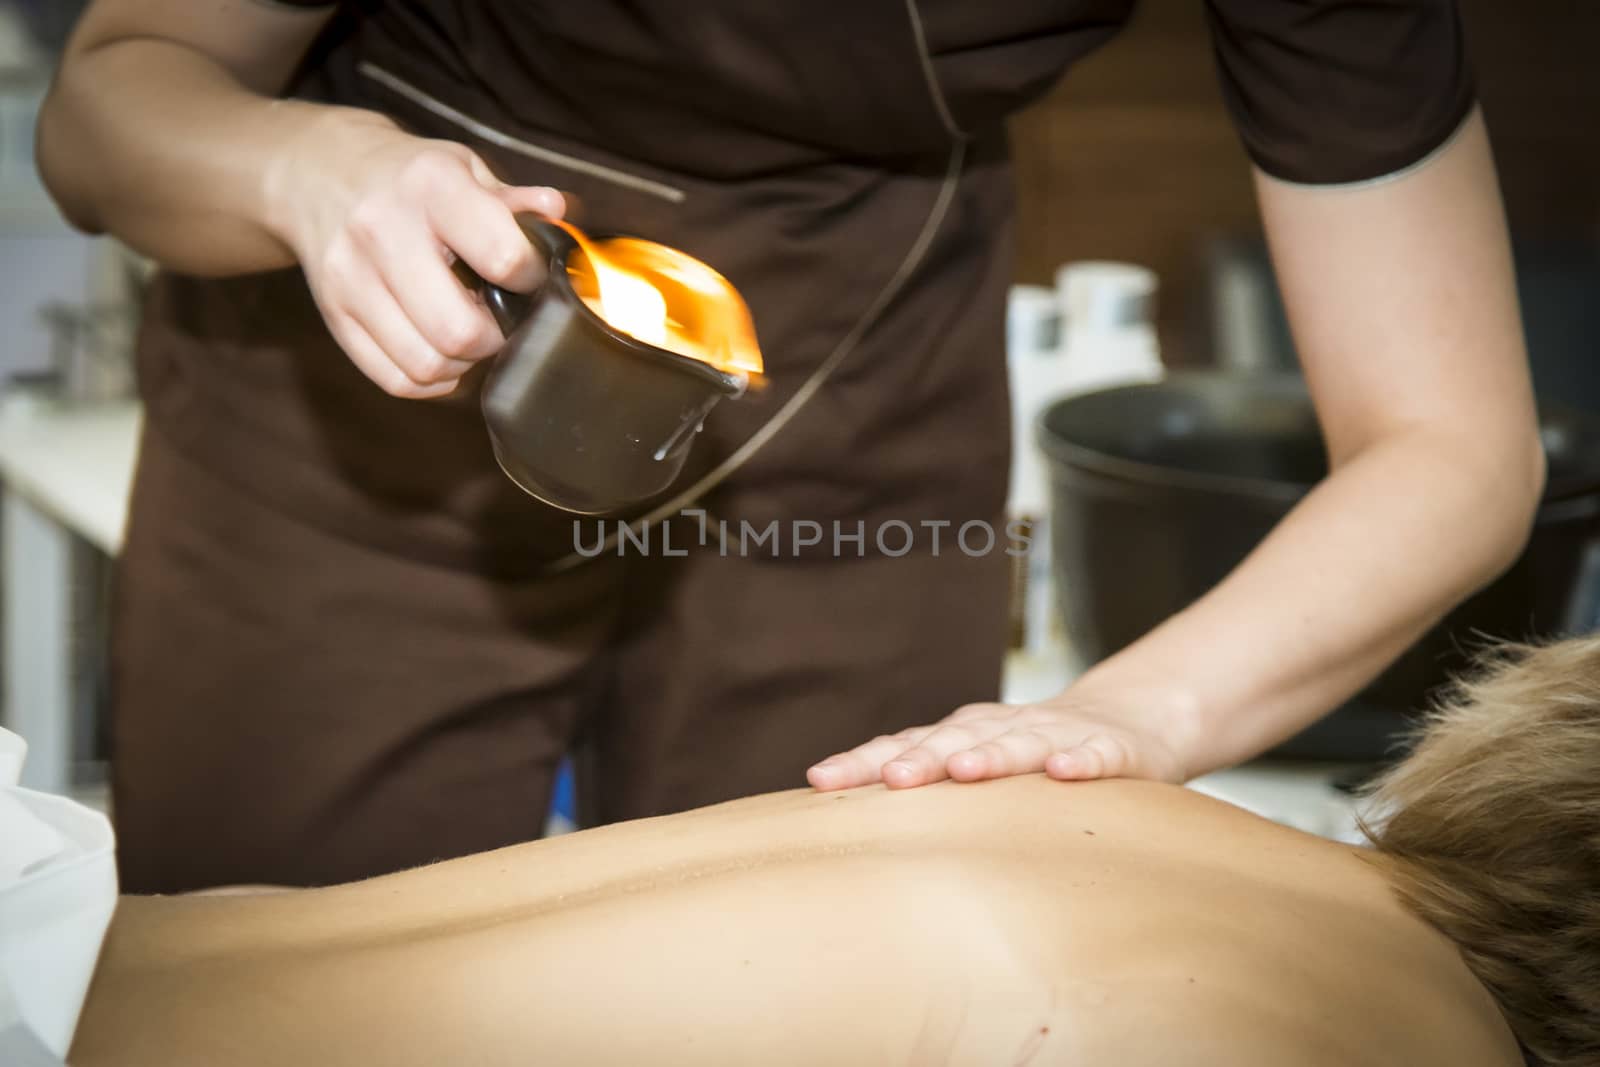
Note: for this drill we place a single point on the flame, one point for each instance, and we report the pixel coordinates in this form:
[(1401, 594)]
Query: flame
[(665, 298)]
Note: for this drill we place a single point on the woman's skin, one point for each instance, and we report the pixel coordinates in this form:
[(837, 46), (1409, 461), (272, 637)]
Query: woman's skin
[(1017, 921), (161, 129)]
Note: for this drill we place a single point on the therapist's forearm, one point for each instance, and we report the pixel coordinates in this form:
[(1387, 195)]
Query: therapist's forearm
[(161, 145), (1403, 302), (1361, 569)]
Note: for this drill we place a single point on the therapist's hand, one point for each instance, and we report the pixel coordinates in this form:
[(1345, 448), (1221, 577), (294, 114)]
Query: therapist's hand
[(1078, 735), (376, 218)]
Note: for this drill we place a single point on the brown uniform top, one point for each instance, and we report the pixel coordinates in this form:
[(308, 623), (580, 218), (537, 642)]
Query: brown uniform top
[(842, 162)]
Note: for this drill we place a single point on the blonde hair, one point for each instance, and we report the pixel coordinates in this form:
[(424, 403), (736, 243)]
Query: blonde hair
[(1492, 834)]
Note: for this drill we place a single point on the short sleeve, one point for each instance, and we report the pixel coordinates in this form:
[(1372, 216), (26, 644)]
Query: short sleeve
[(1335, 91)]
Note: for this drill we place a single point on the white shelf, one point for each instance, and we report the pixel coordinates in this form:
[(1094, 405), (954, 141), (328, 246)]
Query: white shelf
[(73, 464)]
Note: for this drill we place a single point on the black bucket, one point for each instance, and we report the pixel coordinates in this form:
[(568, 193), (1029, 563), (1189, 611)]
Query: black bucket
[(1158, 491)]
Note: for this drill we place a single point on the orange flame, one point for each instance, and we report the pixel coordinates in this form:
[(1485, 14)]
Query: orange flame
[(665, 298)]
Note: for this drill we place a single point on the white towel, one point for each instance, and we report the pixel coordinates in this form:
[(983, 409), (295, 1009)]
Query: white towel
[(58, 888)]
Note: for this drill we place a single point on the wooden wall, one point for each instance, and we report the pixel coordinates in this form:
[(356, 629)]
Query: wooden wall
[(1132, 156)]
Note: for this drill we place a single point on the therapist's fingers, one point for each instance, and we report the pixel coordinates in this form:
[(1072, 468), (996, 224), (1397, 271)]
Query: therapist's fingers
[(479, 225), (982, 741), (534, 199), (390, 326), (1020, 750), (928, 760), (968, 712), (411, 264), (978, 741), (1066, 743), (863, 764), (1100, 755), (370, 358), (367, 300)]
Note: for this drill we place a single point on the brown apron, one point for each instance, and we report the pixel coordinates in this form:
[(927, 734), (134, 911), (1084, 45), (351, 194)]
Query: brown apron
[(340, 649), (346, 644)]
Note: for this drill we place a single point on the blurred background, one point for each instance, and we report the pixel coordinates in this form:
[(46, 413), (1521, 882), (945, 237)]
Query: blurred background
[(1129, 172), (1133, 158)]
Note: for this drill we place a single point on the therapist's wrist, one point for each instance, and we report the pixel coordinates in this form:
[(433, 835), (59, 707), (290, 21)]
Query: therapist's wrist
[(1169, 714)]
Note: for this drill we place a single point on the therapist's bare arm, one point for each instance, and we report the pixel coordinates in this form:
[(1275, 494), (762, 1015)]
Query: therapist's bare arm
[(160, 127), (163, 128), (1404, 311)]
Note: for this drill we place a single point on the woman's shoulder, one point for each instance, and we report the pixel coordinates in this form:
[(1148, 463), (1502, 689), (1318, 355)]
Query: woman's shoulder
[(1252, 942)]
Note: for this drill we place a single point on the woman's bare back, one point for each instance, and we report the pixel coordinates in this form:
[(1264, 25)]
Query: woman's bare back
[(1016, 921)]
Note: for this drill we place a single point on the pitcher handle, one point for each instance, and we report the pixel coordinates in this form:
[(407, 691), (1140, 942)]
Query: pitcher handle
[(509, 308)]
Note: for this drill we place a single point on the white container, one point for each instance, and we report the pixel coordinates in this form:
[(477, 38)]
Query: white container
[(1109, 310), (1099, 333), (58, 888), (1033, 350), (1036, 371)]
